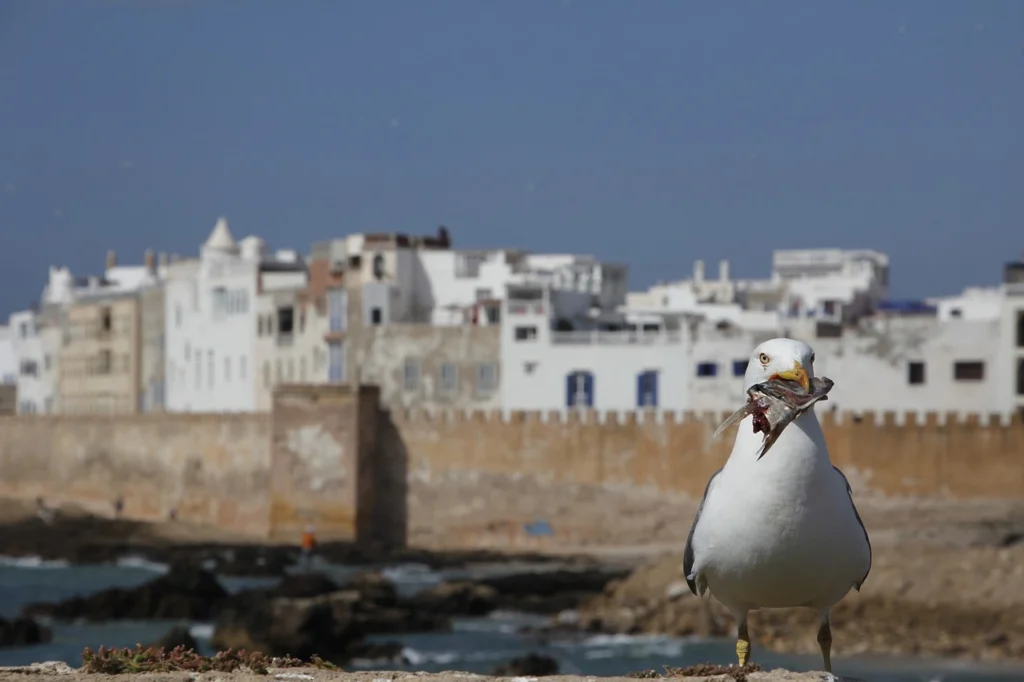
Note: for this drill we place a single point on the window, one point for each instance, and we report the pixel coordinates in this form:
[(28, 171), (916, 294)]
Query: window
[(259, 325), (969, 370), (336, 359), (1020, 329), (285, 320), (647, 389), (828, 330), (526, 333), (411, 375), (707, 369), (484, 294), (227, 369), (579, 389), (448, 377), (486, 378), (337, 305), (1020, 376), (956, 312), (241, 368), (209, 367), (106, 320), (493, 315), (915, 373), (739, 367), (106, 362), (376, 316), (378, 266), (29, 368), (220, 301)]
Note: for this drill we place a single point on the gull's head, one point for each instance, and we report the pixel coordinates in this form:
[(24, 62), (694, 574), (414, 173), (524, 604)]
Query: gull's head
[(781, 359)]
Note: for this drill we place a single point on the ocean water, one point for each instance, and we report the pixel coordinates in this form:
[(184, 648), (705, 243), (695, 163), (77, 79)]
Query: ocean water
[(474, 645)]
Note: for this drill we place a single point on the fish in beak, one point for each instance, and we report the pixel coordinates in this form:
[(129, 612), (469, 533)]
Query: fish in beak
[(797, 374)]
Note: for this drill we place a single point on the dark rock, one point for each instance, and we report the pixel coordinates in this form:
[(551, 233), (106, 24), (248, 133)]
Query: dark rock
[(550, 592), (23, 632), (175, 637), (531, 665), (457, 599), (390, 652), (184, 593), (303, 586), (252, 561), (374, 587), (280, 626), (330, 625)]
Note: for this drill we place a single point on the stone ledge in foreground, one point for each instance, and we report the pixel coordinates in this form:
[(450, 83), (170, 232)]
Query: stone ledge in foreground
[(56, 668)]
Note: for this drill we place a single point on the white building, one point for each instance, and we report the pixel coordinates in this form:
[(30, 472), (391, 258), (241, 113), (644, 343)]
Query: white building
[(831, 285), (233, 327), (8, 358), (407, 279), (592, 363), (36, 346)]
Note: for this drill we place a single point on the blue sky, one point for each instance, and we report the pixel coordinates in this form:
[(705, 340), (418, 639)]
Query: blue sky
[(652, 132)]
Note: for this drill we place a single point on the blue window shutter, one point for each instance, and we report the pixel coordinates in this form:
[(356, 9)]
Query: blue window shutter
[(588, 388), (570, 385), (654, 389), (640, 389)]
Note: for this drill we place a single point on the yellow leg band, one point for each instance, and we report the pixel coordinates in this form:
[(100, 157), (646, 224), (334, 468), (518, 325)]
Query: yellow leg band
[(742, 651)]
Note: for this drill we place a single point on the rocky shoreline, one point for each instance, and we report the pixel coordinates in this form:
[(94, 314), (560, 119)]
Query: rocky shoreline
[(964, 604), (319, 674), (309, 614), (81, 538)]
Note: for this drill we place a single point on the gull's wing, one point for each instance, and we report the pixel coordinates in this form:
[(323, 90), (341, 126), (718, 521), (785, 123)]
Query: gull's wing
[(688, 558), (849, 491)]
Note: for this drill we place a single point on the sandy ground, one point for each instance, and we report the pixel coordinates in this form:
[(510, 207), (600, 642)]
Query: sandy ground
[(318, 675)]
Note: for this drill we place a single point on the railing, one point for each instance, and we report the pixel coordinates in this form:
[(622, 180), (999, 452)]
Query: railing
[(607, 338), (1014, 289), (517, 308)]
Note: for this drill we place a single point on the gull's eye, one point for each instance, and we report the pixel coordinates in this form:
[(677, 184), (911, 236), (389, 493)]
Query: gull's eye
[(763, 358), (812, 358)]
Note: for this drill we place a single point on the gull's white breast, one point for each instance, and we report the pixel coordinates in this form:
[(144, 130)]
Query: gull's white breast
[(781, 531)]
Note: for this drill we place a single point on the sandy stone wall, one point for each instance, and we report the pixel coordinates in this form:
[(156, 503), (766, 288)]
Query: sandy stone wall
[(328, 454), (209, 468)]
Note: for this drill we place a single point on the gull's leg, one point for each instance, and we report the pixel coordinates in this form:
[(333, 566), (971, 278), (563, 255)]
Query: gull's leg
[(742, 641), (825, 642)]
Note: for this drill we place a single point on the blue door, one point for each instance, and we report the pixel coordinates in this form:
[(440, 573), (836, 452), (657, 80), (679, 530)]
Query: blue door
[(647, 389), (579, 389)]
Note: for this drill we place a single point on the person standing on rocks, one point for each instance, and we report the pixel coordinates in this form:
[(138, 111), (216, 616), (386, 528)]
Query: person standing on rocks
[(308, 544)]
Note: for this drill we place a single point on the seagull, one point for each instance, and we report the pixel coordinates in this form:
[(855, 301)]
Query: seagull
[(780, 531)]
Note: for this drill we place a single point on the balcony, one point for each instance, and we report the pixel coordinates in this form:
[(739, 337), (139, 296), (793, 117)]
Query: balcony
[(625, 338)]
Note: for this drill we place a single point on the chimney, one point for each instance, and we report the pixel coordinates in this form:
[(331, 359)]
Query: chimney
[(111, 259), (149, 259), (723, 271), (698, 272)]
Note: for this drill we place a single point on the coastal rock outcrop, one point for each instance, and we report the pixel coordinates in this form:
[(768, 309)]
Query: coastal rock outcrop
[(23, 632), (183, 593)]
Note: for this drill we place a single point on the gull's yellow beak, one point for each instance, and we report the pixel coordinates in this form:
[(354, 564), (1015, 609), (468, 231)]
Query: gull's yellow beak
[(797, 374)]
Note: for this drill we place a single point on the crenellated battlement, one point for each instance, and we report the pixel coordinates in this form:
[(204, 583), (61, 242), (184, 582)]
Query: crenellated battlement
[(878, 419)]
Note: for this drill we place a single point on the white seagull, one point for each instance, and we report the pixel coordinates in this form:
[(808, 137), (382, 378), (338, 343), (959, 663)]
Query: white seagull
[(780, 531)]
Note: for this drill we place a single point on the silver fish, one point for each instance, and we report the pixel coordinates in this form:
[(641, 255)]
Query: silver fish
[(775, 404)]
